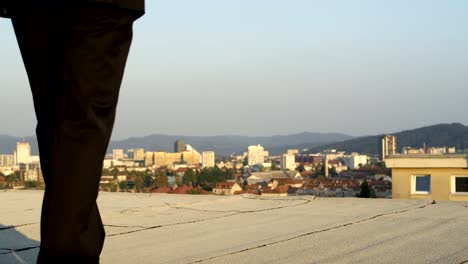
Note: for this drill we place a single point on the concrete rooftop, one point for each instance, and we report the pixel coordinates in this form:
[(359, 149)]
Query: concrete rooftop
[(163, 228)]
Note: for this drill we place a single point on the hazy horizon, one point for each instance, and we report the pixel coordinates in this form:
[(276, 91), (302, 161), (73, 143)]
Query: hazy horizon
[(239, 135), (277, 67)]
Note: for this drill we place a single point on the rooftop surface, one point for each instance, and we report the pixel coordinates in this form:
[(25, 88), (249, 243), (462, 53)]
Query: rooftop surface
[(165, 228)]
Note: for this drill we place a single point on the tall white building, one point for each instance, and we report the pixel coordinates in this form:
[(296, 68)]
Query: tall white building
[(288, 162), (136, 154), (353, 161), (256, 155), (117, 154), (388, 146), (191, 156), (149, 158), (7, 161), (208, 159), (31, 172), (23, 151)]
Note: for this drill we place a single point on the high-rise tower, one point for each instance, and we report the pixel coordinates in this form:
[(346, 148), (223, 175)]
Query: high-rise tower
[(179, 146), (388, 146)]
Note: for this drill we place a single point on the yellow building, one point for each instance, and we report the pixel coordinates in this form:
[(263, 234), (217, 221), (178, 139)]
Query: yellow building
[(136, 154), (208, 159), (166, 158), (431, 177), (149, 159), (256, 155), (191, 157), (22, 152), (226, 188)]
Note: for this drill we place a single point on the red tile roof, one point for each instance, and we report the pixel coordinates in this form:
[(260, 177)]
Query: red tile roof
[(179, 170), (285, 181), (182, 189), (162, 190)]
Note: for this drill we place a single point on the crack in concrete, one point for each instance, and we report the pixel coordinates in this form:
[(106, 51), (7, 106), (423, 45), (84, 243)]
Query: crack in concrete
[(306, 201), (277, 199), (126, 226), (146, 228), (233, 213), (13, 250), (174, 224), (15, 226), (313, 233), (134, 231)]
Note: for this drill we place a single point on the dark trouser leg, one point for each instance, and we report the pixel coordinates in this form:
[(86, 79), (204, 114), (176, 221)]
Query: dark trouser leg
[(75, 58)]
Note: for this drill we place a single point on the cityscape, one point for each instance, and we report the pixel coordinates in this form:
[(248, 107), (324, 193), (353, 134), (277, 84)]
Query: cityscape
[(235, 132), (329, 173)]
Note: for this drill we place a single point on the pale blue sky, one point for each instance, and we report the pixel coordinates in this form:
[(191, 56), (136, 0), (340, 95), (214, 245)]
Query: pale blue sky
[(264, 67)]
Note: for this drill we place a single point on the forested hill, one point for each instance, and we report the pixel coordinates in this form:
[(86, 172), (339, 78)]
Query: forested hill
[(449, 135)]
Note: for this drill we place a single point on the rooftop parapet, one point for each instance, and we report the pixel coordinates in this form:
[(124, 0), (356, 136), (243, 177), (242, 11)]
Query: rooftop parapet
[(427, 161)]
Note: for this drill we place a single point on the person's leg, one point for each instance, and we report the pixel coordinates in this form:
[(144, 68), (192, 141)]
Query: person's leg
[(33, 36), (75, 107)]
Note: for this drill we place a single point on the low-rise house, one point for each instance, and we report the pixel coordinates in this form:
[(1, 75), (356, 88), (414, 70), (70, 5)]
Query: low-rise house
[(253, 179), (280, 191), (180, 172), (276, 182), (331, 187), (179, 190), (267, 176), (226, 188), (429, 177), (106, 179), (296, 175), (121, 178)]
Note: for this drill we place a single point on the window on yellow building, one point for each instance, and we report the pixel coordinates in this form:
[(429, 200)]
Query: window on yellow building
[(460, 184), (422, 184)]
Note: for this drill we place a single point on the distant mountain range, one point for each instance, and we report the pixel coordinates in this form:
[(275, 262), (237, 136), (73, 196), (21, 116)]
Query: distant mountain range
[(226, 145), (437, 135), (440, 135), (222, 145)]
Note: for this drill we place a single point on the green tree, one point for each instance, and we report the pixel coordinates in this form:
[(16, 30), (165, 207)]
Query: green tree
[(245, 185), (148, 182), (10, 179), (160, 179), (113, 186), (319, 170), (123, 185), (365, 190), (190, 178), (300, 168), (274, 166), (178, 181), (139, 183), (194, 191), (114, 172), (31, 184), (209, 176)]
